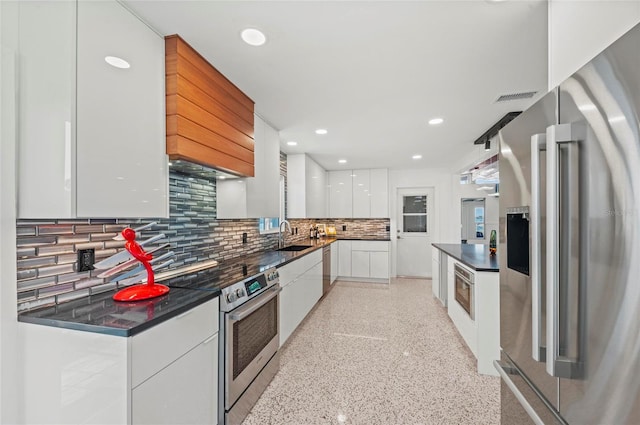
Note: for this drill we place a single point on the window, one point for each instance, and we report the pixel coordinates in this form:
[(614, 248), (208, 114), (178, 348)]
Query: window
[(414, 214)]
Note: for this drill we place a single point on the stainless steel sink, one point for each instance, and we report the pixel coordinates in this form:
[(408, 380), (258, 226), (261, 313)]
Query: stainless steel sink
[(295, 248)]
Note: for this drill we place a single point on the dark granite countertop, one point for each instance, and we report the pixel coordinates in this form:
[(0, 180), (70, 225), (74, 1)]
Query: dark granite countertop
[(100, 313), (475, 256)]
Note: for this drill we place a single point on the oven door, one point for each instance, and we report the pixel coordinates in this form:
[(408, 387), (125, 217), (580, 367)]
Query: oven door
[(251, 340), (464, 292)]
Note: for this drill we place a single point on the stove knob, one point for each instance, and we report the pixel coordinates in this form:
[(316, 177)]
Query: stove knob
[(231, 297), (240, 292)]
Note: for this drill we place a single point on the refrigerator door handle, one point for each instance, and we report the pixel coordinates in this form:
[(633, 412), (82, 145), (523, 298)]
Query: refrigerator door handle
[(538, 349), (516, 392), (558, 363)]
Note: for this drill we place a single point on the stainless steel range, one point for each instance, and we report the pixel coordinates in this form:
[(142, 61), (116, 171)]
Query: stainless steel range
[(249, 341)]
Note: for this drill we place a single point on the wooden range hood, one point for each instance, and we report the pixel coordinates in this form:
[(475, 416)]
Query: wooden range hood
[(209, 120)]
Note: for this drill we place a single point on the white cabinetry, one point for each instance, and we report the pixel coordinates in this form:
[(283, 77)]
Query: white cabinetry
[(301, 282), (359, 194), (306, 188), (340, 194), (92, 142), (335, 247), (370, 259), (258, 196), (435, 276), (193, 390), (344, 258), (379, 190), (165, 375)]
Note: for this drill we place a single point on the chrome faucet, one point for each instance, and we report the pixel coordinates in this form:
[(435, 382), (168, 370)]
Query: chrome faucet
[(280, 235)]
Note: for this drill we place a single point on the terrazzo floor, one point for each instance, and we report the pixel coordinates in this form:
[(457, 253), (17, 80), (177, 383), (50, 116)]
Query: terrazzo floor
[(378, 354)]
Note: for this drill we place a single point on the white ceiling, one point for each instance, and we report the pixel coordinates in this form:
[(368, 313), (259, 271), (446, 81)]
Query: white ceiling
[(371, 72)]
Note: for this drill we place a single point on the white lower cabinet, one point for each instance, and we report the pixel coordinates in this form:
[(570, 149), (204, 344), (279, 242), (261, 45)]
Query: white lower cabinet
[(167, 374), (359, 264), (301, 290), (181, 393), (335, 247), (344, 258), (369, 260), (379, 265)]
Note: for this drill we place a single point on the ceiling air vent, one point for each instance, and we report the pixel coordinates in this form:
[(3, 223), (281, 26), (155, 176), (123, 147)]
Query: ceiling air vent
[(516, 96)]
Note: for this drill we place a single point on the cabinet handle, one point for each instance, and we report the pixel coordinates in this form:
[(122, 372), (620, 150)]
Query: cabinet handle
[(538, 350), (211, 338)]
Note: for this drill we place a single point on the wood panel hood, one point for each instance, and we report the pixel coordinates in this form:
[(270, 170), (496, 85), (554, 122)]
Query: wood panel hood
[(209, 120)]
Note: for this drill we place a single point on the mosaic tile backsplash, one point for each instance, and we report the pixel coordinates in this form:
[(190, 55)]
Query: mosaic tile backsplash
[(355, 227), (47, 250)]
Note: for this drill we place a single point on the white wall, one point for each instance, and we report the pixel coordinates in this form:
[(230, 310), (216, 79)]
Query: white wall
[(444, 220), (10, 387), (579, 30)]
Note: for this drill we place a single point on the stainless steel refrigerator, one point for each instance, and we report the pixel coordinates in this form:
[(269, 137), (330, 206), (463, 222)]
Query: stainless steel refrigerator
[(570, 248)]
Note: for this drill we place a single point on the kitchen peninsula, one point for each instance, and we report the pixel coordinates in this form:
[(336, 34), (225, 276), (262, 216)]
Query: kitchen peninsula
[(466, 281)]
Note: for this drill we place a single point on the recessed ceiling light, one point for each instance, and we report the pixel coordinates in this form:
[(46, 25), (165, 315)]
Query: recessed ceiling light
[(417, 157), (117, 62), (321, 131), (436, 121), (342, 161), (292, 143), (253, 37)]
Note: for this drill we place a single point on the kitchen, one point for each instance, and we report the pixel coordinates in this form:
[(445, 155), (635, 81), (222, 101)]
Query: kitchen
[(442, 177)]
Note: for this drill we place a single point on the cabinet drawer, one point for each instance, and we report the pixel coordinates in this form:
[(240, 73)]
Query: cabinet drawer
[(157, 347), (371, 246), (183, 393), (296, 268)]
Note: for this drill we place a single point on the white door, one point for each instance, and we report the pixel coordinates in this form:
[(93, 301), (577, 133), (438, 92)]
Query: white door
[(415, 230)]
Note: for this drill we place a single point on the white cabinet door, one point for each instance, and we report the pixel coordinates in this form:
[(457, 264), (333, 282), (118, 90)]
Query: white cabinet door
[(297, 299), (287, 308), (379, 190), (361, 194), (359, 264), (344, 258), (46, 116), (435, 275), (316, 183), (259, 196), (334, 261), (185, 392), (379, 265), (122, 168), (340, 194)]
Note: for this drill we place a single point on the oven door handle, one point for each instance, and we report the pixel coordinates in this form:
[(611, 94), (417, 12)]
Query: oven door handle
[(245, 311)]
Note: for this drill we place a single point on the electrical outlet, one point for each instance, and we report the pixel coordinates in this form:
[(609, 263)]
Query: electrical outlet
[(86, 259), (344, 227), (388, 228), (244, 238)]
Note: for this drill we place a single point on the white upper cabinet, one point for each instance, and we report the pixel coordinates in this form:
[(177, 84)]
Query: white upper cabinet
[(359, 194), (306, 188), (379, 191), (340, 194), (258, 196), (121, 161), (46, 114), (92, 140)]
